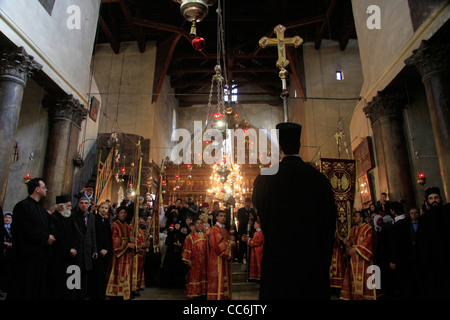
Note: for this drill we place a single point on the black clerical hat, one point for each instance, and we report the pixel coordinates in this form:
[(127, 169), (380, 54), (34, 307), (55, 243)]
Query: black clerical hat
[(432, 190), (289, 136), (63, 199)]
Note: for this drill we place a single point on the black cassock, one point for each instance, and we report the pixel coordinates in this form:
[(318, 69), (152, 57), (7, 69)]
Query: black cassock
[(63, 230), (243, 216), (174, 270), (433, 247), (298, 213), (104, 242), (30, 228)]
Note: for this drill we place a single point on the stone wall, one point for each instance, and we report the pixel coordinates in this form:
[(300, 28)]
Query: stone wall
[(125, 83), (383, 52), (320, 114), (65, 53)]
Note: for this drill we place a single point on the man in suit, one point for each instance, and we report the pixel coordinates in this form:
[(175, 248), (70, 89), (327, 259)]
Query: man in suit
[(85, 248), (296, 193)]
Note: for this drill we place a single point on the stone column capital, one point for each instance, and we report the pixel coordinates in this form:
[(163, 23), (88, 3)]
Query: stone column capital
[(429, 58), (385, 104), (17, 65), (65, 107)]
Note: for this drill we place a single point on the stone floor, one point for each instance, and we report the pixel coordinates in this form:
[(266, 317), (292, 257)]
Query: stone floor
[(179, 294)]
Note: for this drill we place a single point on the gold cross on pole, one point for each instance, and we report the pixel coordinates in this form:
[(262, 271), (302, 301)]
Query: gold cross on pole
[(281, 42)]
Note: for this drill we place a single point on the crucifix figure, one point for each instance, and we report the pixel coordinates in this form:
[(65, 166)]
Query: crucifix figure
[(281, 42), (338, 137)]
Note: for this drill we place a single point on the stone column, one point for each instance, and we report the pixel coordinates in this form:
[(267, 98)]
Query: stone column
[(15, 68), (432, 61), (77, 117), (385, 113), (61, 113)]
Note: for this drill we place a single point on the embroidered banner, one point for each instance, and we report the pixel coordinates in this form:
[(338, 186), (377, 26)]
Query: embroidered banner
[(342, 175)]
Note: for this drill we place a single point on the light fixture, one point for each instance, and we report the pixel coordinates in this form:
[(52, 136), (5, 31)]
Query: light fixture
[(421, 179), (194, 11)]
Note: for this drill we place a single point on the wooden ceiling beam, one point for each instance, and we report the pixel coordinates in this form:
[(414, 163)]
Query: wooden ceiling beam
[(163, 57), (187, 83), (166, 27), (138, 36), (324, 25), (115, 45), (235, 57), (273, 101), (234, 70), (347, 26)]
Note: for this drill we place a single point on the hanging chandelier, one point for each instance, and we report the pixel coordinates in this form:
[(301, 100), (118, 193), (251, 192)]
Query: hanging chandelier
[(195, 11)]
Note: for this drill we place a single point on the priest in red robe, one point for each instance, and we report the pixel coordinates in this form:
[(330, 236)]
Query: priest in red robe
[(256, 244), (360, 248), (195, 255), (219, 263), (338, 264), (137, 274), (119, 283)]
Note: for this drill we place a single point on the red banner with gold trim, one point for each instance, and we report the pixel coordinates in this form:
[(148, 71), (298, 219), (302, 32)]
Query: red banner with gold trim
[(342, 175)]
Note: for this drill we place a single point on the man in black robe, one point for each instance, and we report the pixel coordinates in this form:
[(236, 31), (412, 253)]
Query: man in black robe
[(295, 265), (433, 246), (243, 216), (400, 248), (31, 244), (62, 257)]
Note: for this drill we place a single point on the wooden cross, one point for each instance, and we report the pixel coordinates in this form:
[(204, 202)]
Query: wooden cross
[(281, 42)]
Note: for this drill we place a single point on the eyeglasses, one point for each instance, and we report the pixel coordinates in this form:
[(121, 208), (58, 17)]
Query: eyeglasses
[(45, 188)]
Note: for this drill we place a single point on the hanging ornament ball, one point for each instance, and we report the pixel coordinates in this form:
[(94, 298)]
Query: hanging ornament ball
[(132, 164), (229, 110), (198, 43)]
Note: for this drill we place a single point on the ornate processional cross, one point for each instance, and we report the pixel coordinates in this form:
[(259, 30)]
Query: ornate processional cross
[(281, 42)]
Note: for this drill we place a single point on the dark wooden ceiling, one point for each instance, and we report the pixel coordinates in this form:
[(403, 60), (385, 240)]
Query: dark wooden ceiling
[(245, 22)]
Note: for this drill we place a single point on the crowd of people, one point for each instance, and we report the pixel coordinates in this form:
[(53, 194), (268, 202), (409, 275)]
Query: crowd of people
[(406, 248), (98, 251)]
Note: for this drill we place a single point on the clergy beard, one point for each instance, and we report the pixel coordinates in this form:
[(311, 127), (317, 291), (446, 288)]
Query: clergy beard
[(66, 212), (435, 204)]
